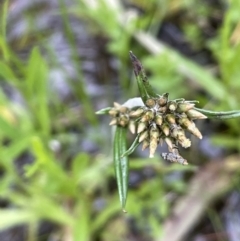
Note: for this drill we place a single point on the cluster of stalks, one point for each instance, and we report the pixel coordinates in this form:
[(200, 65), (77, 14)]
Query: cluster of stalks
[(159, 120)]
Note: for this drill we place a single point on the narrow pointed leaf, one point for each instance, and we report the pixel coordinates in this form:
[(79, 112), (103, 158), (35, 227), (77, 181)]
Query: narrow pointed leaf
[(103, 111), (145, 89), (133, 147), (121, 163), (220, 114)]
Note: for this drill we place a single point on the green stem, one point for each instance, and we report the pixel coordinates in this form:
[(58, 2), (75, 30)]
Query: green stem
[(133, 147)]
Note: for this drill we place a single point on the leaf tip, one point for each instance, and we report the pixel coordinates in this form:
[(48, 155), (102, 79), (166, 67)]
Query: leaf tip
[(137, 66)]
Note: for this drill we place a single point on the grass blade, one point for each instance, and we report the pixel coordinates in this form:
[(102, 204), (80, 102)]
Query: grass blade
[(220, 114), (121, 163)]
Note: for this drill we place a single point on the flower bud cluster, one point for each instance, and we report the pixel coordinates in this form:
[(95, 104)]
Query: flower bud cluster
[(160, 120)]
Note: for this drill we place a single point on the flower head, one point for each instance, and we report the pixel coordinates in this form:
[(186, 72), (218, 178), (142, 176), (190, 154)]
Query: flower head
[(157, 120)]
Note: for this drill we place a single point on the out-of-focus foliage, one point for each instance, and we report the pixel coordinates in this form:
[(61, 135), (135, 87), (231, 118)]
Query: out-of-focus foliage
[(56, 173)]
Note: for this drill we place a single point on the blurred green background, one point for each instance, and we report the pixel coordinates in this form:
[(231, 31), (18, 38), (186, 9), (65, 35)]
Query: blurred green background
[(60, 62)]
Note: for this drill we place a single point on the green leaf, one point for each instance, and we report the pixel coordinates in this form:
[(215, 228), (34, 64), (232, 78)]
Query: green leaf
[(45, 164), (10, 218), (3, 24), (104, 216), (103, 111), (220, 114), (7, 73), (37, 89), (83, 222), (121, 163), (4, 19), (14, 149), (145, 89), (9, 129), (79, 165), (45, 208)]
